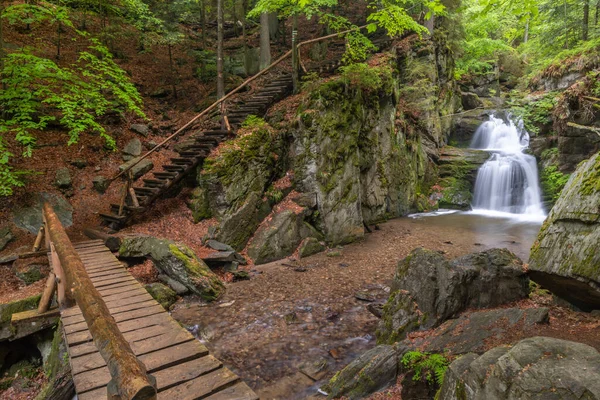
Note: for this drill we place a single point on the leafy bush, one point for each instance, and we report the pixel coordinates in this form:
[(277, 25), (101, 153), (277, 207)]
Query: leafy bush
[(553, 181), (37, 92), (430, 367), (534, 113), (252, 121)]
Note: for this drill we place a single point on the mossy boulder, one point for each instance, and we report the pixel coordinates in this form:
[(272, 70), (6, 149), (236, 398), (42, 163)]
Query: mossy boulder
[(534, 368), (310, 246), (199, 204), (428, 289), (177, 261), (565, 257), (238, 227), (372, 371), (17, 306), (164, 295), (30, 273)]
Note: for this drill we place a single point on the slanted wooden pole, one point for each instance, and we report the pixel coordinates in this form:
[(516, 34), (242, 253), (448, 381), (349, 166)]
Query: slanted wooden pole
[(128, 374), (64, 297), (47, 295), (38, 239)]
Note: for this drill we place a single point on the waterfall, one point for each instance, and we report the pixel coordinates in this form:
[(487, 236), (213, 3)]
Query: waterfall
[(508, 182)]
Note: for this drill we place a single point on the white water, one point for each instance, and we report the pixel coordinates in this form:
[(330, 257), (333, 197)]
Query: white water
[(507, 184)]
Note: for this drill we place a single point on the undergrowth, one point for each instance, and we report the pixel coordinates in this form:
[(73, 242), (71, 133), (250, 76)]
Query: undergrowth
[(428, 367)]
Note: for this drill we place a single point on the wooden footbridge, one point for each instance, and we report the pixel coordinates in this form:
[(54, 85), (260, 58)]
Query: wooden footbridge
[(122, 344)]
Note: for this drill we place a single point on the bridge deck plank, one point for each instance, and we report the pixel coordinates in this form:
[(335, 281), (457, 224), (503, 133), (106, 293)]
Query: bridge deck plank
[(181, 364)]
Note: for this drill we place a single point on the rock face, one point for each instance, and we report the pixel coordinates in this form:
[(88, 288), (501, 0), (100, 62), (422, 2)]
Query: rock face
[(565, 257), (177, 261), (372, 371), (310, 246), (535, 368), (133, 148), (30, 217), (279, 237), (6, 237), (164, 295), (470, 101), (428, 289)]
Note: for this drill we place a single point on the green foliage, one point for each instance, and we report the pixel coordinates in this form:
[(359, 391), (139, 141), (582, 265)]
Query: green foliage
[(38, 91), (253, 122), (393, 17), (426, 366), (274, 195), (535, 113), (553, 181), (367, 78)]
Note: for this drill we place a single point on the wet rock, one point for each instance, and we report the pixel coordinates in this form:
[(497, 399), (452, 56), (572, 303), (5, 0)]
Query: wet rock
[(428, 289), (30, 217), (223, 257), (100, 184), (63, 178), (141, 129), (133, 147), (470, 101), (310, 246), (178, 287), (469, 333), (535, 368), (279, 237), (565, 257), (372, 371), (164, 295), (176, 261), (79, 163), (216, 245), (138, 169), (6, 237), (315, 370)]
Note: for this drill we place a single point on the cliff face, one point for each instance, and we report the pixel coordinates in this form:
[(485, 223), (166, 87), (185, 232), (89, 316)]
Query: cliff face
[(362, 147)]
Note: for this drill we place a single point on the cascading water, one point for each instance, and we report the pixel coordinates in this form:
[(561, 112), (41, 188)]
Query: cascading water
[(508, 181)]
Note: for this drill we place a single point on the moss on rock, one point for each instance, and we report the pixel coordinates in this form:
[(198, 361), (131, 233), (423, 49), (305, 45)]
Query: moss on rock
[(164, 295)]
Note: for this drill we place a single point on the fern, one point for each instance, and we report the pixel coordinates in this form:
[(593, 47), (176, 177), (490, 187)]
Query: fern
[(430, 367)]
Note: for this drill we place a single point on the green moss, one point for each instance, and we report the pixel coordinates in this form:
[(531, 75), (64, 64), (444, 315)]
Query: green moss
[(199, 204), (553, 181), (203, 278), (591, 180), (17, 306), (165, 296)]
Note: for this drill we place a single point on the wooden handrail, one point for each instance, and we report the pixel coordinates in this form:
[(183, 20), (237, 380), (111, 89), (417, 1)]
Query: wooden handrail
[(229, 95), (128, 373)]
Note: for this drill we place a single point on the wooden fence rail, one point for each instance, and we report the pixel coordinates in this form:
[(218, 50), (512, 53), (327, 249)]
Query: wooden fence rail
[(130, 381)]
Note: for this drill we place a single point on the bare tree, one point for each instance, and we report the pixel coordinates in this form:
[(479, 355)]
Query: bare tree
[(265, 41), (586, 20), (220, 77)]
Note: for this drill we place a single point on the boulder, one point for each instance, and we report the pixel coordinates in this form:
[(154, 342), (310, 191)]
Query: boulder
[(220, 258), (279, 237), (63, 178), (141, 129), (565, 257), (29, 217), (199, 204), (17, 306), (178, 287), (216, 245), (30, 273), (310, 246), (372, 371), (100, 183), (470, 101), (164, 295), (428, 289), (139, 169), (176, 261), (534, 368), (79, 163), (133, 147), (6, 237), (237, 228)]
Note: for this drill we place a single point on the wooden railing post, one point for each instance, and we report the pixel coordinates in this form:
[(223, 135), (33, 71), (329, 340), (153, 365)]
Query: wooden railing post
[(130, 380), (47, 295)]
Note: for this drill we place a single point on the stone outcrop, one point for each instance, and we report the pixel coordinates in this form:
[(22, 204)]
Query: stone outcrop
[(428, 289), (565, 257), (6, 236), (164, 295), (535, 368), (177, 261), (29, 217)]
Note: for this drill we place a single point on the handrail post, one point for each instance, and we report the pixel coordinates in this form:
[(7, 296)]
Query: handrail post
[(295, 64), (130, 378)]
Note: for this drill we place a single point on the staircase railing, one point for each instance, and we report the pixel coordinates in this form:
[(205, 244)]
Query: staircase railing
[(130, 380)]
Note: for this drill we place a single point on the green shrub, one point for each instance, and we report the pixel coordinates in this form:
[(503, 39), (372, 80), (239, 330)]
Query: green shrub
[(553, 181), (430, 367), (367, 78), (252, 121)]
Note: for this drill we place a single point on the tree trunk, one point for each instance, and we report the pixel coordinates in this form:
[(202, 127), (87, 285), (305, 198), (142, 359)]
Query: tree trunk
[(220, 77), (58, 40), (566, 26), (295, 58), (597, 12), (586, 20), (2, 55), (173, 74), (265, 41), (430, 23), (203, 22), (526, 36)]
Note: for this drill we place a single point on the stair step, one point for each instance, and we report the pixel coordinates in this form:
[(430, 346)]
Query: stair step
[(113, 217), (155, 182), (183, 161), (165, 175), (174, 168), (192, 153), (216, 133), (115, 208), (146, 191)]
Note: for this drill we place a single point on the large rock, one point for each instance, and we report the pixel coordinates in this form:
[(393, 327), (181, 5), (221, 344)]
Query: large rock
[(428, 289), (470, 101), (279, 237), (164, 295), (177, 261), (29, 217), (565, 257), (237, 228), (141, 129), (535, 368), (63, 178), (372, 371), (139, 169), (6, 237), (133, 147)]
